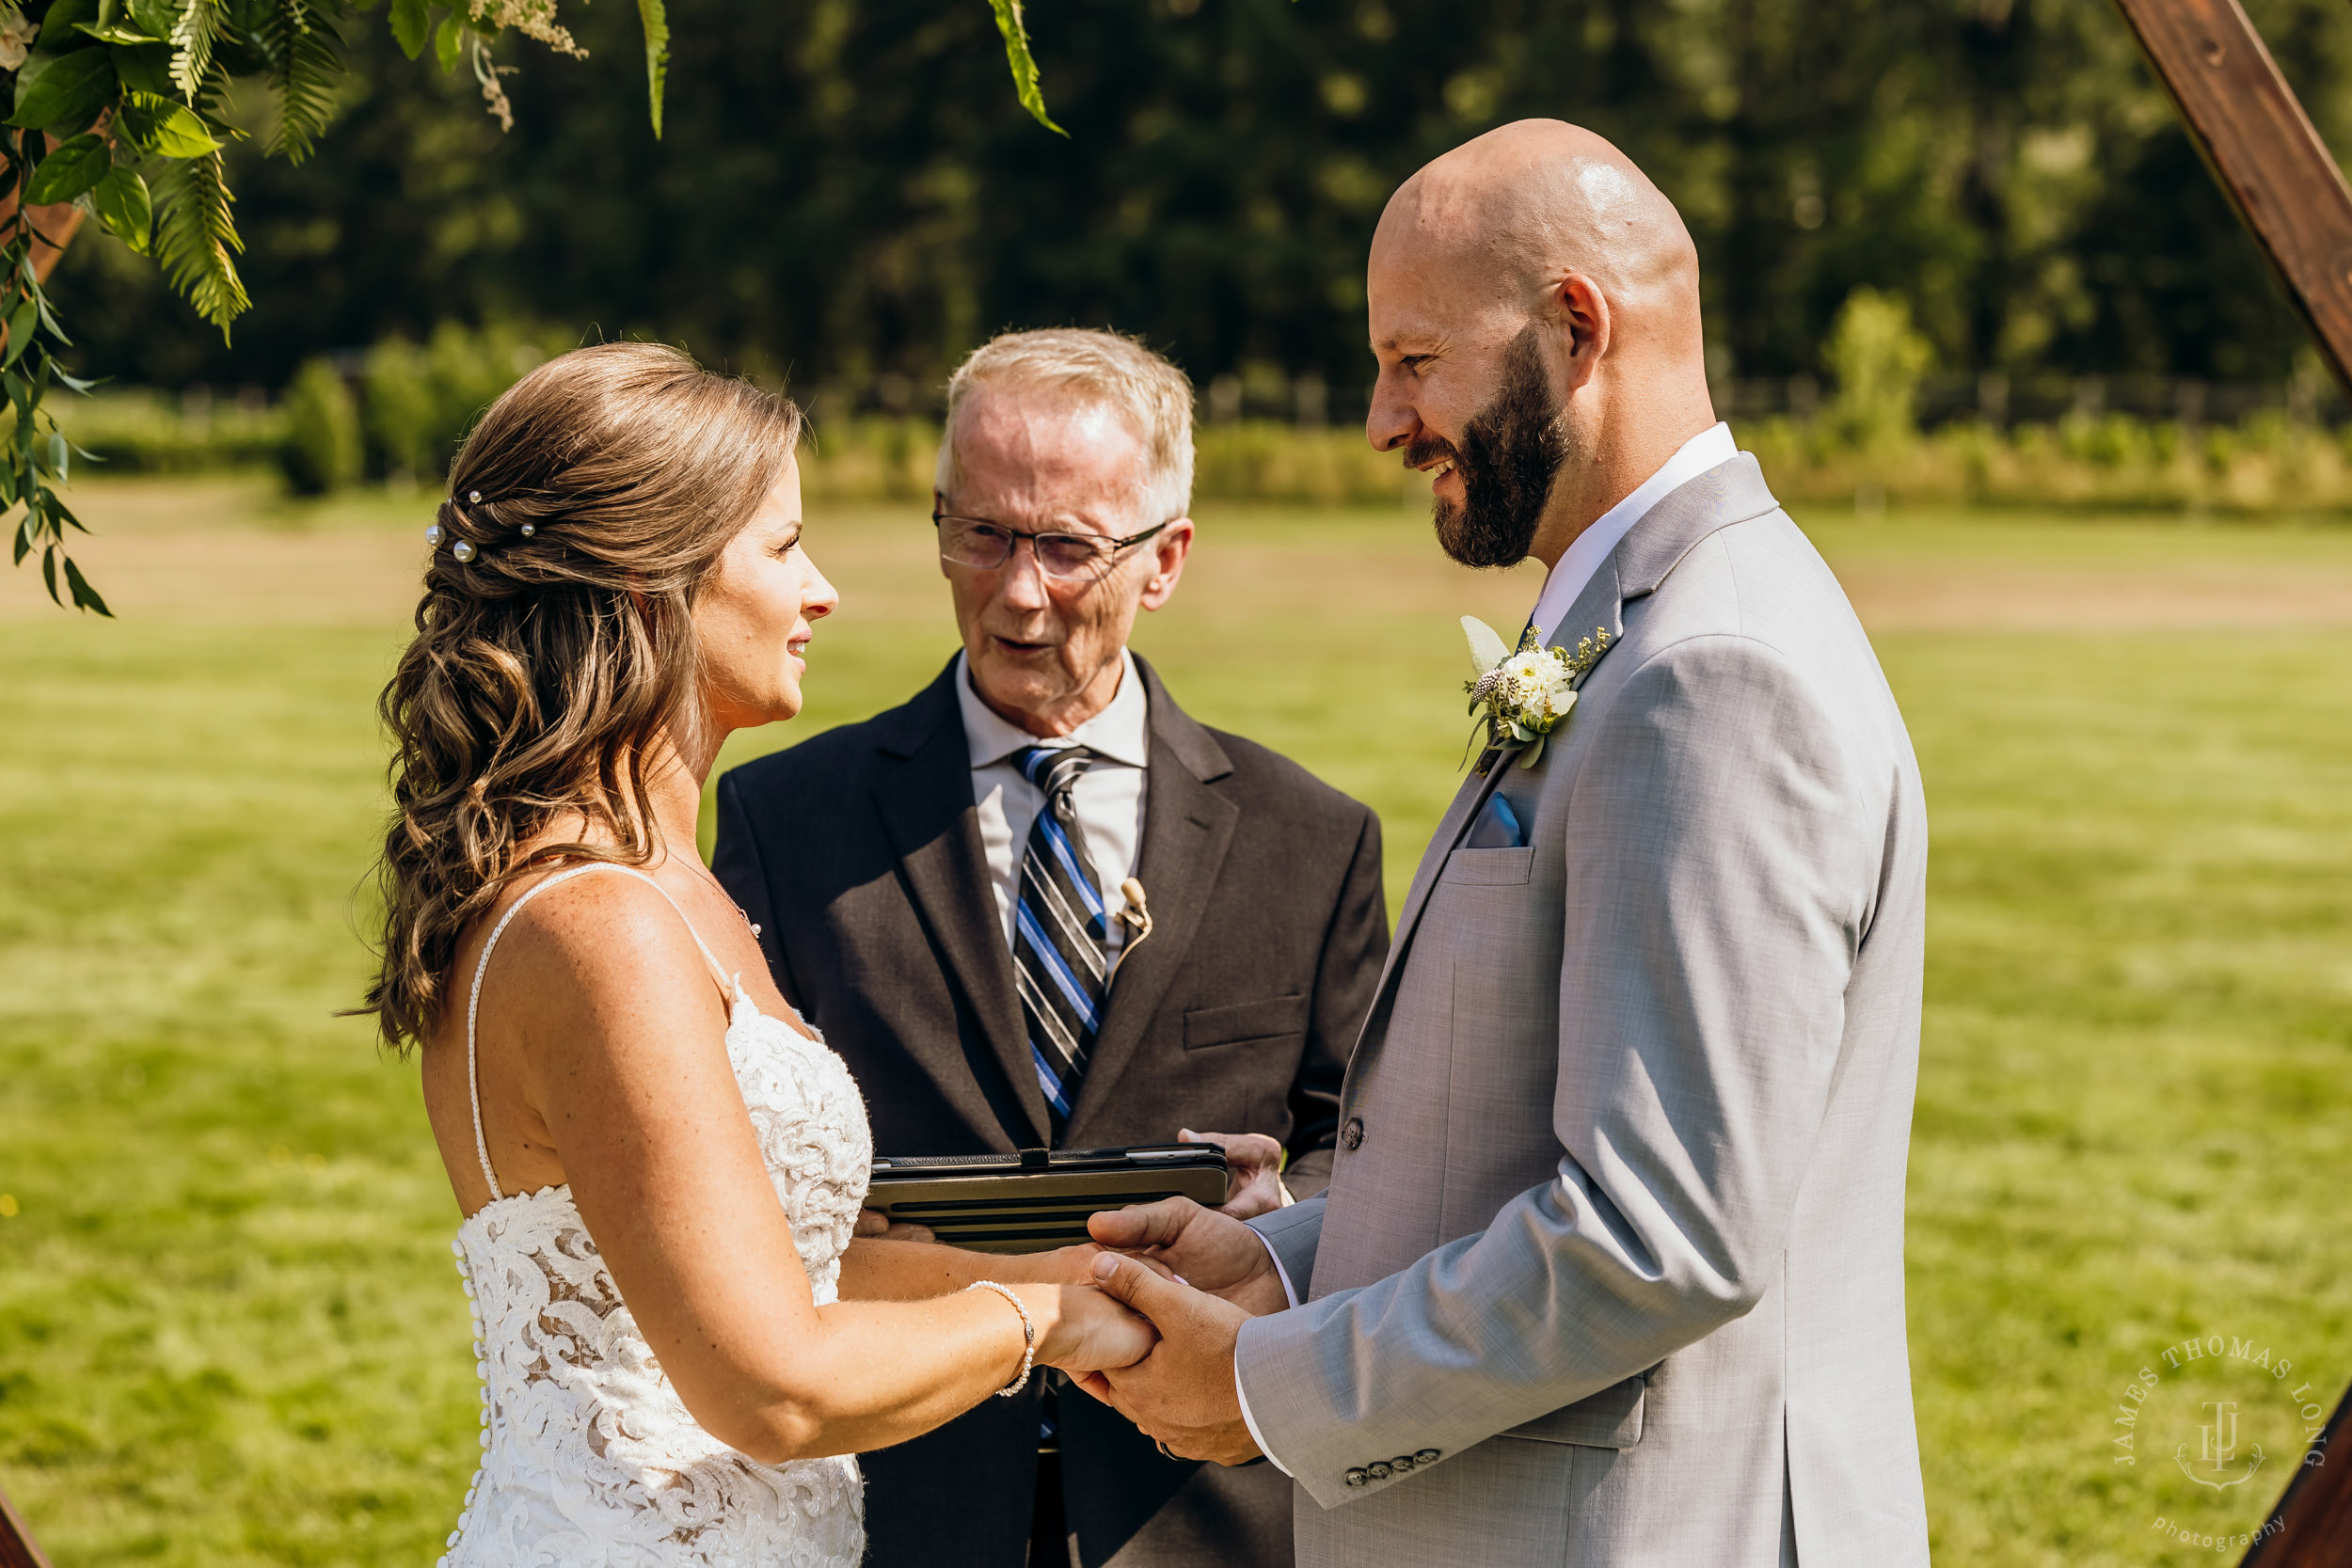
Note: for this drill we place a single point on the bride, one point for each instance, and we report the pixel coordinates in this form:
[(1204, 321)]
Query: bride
[(661, 1165)]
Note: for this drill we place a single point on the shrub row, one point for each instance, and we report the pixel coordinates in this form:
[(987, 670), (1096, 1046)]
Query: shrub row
[(405, 410)]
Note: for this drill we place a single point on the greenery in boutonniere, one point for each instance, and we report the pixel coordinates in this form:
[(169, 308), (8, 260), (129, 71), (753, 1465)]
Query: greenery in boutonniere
[(1527, 693)]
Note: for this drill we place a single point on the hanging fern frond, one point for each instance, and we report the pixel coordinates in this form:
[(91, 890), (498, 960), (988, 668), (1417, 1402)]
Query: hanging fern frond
[(196, 238), (1015, 31), (655, 18), (193, 37), (306, 62)]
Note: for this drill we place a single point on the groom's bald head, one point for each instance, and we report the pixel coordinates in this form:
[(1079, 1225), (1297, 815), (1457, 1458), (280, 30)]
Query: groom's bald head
[(1516, 209), (1536, 275)]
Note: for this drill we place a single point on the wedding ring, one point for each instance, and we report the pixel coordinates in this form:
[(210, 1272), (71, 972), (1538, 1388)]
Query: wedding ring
[(1161, 1443)]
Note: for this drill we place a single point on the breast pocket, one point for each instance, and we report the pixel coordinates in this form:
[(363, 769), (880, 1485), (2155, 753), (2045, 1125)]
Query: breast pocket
[(1240, 1022), (1490, 867)]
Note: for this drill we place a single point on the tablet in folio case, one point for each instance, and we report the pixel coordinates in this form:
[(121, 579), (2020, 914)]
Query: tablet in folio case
[(1038, 1199)]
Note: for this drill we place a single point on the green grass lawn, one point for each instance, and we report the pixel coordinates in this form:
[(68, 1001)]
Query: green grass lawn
[(229, 1332)]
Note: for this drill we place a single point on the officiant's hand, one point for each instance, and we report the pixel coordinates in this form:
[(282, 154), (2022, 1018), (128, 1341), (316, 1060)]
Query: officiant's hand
[(1206, 1249), (1183, 1394), (1255, 1162), (875, 1226)]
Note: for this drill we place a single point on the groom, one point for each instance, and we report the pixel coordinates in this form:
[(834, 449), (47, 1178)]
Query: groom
[(1610, 1270)]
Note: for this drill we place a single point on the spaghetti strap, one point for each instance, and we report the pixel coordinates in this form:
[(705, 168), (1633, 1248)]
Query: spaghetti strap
[(732, 986)]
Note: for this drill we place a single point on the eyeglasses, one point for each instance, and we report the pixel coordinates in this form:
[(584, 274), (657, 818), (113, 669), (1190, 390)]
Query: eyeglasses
[(983, 545)]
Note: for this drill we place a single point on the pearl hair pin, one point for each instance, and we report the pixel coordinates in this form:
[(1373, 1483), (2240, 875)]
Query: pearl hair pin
[(530, 529), (463, 549), (432, 534)]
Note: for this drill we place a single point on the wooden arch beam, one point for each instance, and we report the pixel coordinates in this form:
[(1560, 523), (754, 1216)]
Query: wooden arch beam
[(2254, 135), (2266, 156)]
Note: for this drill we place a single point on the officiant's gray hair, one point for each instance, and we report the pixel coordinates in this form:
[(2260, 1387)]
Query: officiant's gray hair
[(1106, 368)]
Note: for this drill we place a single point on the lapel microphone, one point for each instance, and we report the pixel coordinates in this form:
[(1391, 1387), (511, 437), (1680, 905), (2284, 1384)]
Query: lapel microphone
[(1139, 914)]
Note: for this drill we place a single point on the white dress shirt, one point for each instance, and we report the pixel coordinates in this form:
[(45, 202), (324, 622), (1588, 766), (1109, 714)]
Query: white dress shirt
[(1107, 798), (1704, 450)]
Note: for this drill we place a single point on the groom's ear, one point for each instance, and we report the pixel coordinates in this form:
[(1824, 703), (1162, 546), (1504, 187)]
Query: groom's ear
[(1580, 314)]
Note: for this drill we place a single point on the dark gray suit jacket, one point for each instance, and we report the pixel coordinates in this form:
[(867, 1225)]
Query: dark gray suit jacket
[(858, 855)]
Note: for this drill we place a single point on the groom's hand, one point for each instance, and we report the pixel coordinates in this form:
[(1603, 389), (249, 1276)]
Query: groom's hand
[(1207, 1250), (1183, 1394)]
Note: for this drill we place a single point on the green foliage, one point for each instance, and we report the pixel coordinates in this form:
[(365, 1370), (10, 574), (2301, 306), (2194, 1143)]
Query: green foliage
[(200, 26), (98, 62), (196, 239), (67, 91), (1023, 64), (322, 448), (38, 455), (71, 168), (1877, 360), (144, 432), (850, 192), (418, 403), (305, 65), (399, 409), (126, 208), (655, 18), (229, 1332), (2267, 465)]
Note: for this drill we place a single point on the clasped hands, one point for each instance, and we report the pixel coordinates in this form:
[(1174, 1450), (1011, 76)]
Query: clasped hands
[(1194, 1276), (1173, 1284)]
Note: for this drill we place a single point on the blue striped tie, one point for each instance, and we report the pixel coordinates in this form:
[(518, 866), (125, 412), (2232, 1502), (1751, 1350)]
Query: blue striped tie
[(1057, 931)]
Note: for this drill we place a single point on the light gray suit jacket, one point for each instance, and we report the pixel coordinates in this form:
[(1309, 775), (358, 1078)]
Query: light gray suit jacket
[(1611, 1269)]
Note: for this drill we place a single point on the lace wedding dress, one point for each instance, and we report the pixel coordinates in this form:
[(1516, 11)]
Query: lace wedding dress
[(589, 1458)]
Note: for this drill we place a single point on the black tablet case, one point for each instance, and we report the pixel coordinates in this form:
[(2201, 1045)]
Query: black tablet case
[(1038, 1199)]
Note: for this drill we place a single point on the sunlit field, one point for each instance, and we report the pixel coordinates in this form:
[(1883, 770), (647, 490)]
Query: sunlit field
[(229, 1330)]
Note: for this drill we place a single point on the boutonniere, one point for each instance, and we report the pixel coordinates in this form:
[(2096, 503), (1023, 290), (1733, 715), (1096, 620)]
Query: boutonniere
[(1527, 693)]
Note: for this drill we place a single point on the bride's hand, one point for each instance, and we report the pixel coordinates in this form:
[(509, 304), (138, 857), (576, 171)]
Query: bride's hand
[(1071, 1265), (1083, 1330)]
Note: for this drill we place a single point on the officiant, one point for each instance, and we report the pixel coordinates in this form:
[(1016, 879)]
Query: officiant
[(1039, 904)]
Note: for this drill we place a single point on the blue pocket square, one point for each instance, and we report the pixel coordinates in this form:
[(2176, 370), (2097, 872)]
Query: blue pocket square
[(1497, 828)]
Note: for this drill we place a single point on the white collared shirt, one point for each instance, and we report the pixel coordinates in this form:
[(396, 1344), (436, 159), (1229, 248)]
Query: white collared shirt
[(1709, 449), (1107, 798)]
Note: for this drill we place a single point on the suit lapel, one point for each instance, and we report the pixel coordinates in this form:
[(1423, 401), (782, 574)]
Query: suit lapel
[(1731, 492), (926, 806), (1598, 605), (1188, 828)]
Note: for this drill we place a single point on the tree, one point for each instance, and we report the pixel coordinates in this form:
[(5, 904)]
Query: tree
[(120, 111)]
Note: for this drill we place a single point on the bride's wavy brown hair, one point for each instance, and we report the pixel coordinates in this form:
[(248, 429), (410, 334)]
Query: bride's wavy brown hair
[(548, 664)]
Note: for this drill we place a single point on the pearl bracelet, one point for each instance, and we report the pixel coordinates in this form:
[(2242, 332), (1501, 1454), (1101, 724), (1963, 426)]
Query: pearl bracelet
[(1029, 1335)]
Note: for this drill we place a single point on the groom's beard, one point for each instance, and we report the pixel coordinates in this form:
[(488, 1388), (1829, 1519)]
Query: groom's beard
[(1509, 455)]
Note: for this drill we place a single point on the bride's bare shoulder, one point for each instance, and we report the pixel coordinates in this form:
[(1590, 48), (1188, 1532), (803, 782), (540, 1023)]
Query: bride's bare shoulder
[(601, 935)]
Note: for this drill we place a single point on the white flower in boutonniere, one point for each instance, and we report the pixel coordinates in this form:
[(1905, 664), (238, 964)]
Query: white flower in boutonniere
[(1525, 694)]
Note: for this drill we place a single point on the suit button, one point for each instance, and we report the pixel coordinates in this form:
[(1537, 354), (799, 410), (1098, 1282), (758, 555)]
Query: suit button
[(1377, 1470), (1352, 1136), (1402, 1463), (1355, 1478), (1427, 1456)]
